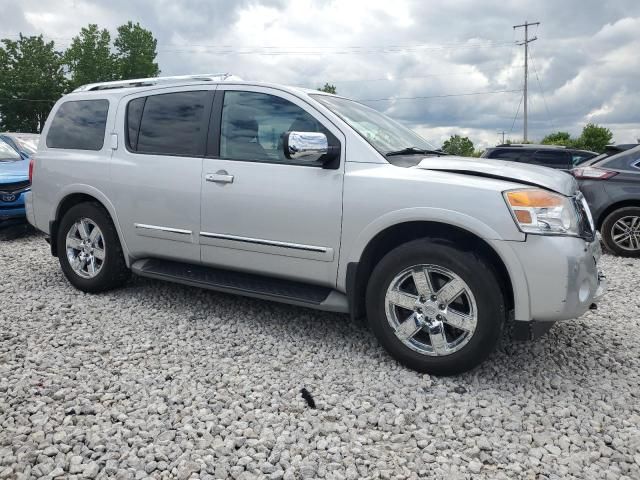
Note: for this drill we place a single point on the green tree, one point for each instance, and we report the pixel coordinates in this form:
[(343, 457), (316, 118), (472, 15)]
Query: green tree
[(457, 145), (89, 58), (328, 88), (31, 80), (595, 138), (136, 52), (558, 138)]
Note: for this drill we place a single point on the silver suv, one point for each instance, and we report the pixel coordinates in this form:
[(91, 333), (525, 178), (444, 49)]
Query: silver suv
[(311, 199)]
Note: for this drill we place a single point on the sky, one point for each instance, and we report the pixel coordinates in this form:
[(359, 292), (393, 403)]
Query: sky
[(441, 68)]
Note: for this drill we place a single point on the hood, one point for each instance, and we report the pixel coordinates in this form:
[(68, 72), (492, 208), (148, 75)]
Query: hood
[(14, 171), (534, 175)]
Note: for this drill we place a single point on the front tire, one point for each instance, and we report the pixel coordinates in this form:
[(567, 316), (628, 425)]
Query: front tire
[(621, 232), (89, 249), (435, 308)]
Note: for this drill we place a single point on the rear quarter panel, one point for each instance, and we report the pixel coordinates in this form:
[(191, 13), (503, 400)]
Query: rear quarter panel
[(61, 172)]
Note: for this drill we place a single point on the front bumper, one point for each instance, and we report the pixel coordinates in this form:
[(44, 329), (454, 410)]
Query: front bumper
[(12, 208), (560, 274)]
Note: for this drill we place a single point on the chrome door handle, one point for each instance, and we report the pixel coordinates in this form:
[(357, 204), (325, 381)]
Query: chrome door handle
[(219, 177)]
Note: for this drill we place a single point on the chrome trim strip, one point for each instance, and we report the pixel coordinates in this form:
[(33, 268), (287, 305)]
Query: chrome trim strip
[(162, 229), (271, 243)]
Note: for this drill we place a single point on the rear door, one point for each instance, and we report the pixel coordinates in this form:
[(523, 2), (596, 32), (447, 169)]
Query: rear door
[(156, 170), (261, 212)]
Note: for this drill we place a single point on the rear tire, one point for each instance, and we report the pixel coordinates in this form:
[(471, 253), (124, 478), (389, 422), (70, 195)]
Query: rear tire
[(437, 346), (89, 249), (613, 230)]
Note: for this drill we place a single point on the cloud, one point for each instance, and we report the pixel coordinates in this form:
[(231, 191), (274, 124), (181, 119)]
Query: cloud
[(584, 65)]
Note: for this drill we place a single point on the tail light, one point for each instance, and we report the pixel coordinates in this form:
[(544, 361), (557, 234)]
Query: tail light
[(31, 165), (593, 173)]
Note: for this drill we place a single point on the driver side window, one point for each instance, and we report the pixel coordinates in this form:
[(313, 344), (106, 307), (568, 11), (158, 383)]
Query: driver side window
[(253, 125)]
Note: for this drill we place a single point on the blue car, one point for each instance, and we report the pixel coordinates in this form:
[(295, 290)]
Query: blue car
[(15, 153)]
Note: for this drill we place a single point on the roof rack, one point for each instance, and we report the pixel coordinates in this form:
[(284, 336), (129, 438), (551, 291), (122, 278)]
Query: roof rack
[(145, 82)]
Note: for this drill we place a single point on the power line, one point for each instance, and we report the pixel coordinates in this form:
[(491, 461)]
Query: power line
[(516, 115), (360, 100), (461, 43), (400, 78), (438, 96), (6, 99), (544, 98), (313, 51)]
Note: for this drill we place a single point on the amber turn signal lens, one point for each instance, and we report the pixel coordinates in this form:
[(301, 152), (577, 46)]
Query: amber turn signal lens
[(534, 198), (523, 216)]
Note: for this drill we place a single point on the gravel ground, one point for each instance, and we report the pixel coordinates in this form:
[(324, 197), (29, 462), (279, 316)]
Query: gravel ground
[(163, 381)]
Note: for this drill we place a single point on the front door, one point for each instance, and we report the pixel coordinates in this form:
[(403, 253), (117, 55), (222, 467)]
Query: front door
[(260, 212)]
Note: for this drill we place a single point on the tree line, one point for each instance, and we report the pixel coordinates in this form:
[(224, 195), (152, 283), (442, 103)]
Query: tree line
[(593, 137), (34, 74)]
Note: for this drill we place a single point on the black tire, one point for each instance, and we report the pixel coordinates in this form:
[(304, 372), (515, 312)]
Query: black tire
[(473, 270), (607, 231), (114, 272)]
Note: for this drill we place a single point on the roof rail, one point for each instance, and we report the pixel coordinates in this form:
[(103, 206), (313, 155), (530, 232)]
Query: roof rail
[(145, 82), (531, 145)]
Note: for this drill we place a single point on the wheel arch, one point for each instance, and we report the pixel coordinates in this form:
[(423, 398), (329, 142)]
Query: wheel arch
[(358, 272), (72, 197), (616, 206)]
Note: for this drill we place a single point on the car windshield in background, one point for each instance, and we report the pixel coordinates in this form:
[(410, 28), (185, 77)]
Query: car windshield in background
[(29, 145), (384, 134), (8, 153)]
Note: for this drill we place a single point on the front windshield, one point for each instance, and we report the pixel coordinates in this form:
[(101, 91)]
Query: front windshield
[(384, 134), (8, 153)]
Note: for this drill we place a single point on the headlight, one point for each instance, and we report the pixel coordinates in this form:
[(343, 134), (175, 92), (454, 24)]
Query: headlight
[(542, 212)]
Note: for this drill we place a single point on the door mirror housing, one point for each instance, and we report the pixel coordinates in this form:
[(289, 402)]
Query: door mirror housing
[(307, 147)]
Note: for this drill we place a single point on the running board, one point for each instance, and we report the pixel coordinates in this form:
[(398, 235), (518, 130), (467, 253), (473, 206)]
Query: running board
[(240, 283)]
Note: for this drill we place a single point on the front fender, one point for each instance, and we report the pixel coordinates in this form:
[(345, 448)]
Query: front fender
[(449, 217), (423, 214)]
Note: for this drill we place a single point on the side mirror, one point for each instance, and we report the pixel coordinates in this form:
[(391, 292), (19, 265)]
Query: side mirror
[(305, 146)]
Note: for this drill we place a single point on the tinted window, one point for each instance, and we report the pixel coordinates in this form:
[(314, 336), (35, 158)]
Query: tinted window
[(253, 125), (551, 158), (79, 125), (134, 115), (512, 154), (171, 124)]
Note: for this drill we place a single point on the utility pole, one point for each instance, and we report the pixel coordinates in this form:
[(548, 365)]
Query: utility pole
[(526, 42), (502, 133)]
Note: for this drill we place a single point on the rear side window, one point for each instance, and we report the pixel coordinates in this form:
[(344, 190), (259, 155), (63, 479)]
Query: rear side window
[(511, 154), (134, 115), (167, 124), (551, 158), (79, 125)]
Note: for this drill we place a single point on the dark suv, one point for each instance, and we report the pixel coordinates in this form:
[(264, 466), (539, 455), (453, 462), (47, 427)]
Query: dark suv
[(611, 186), (545, 155)]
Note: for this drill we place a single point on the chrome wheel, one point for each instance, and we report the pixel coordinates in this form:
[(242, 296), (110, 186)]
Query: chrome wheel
[(431, 310), (625, 233), (85, 248)]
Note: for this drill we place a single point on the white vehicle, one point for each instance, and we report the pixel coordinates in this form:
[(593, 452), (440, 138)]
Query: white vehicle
[(312, 199)]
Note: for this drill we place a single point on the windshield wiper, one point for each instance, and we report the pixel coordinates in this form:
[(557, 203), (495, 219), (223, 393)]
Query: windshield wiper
[(414, 151)]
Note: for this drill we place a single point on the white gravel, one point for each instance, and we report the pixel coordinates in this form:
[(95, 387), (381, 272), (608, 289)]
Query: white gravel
[(163, 381)]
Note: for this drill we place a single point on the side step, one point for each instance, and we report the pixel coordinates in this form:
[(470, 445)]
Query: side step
[(240, 283)]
